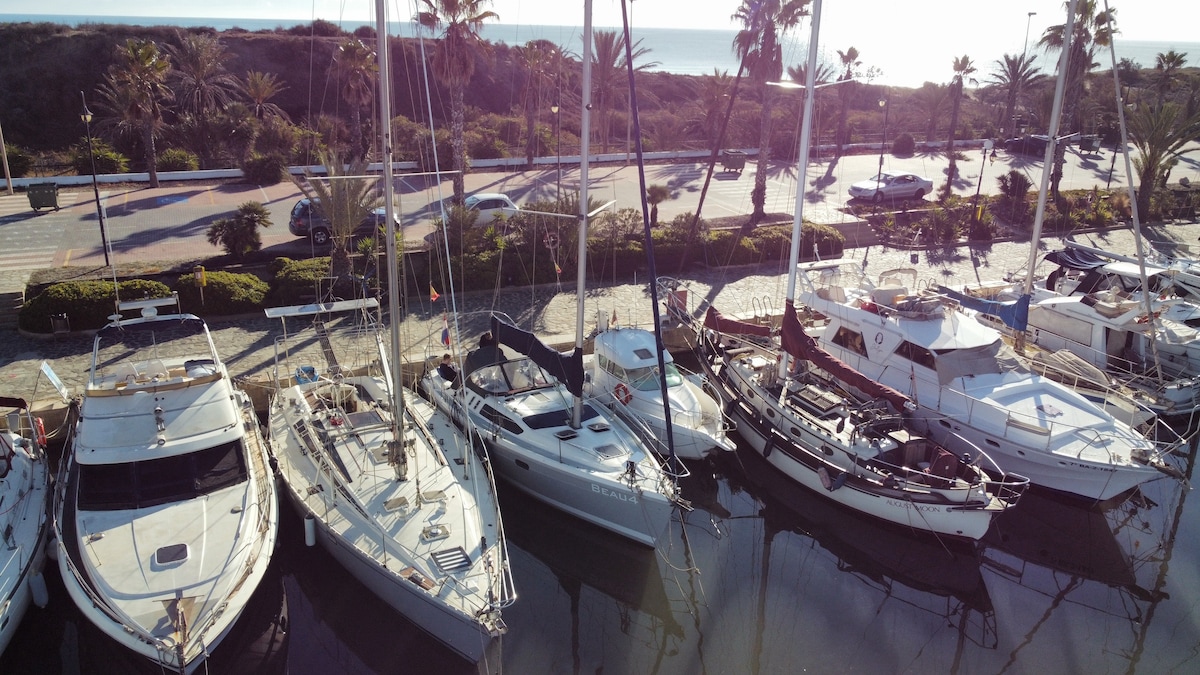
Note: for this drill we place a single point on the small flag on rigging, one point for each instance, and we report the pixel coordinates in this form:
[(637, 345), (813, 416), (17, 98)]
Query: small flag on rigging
[(445, 331), (433, 294)]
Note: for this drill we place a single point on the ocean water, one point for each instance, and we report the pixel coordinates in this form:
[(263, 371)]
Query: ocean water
[(698, 52)]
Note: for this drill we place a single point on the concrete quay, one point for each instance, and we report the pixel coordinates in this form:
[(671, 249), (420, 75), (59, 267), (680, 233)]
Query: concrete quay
[(246, 343)]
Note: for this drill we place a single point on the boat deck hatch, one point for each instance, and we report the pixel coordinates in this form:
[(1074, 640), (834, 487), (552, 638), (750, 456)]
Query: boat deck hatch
[(599, 426), (565, 434), (435, 532), (171, 554), (452, 559), (820, 401)]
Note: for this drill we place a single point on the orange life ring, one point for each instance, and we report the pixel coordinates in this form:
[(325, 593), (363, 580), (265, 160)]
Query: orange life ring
[(41, 431), (622, 393)]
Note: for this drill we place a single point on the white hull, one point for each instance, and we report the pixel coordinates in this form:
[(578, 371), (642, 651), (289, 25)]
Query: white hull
[(166, 510), (430, 545), (798, 464), (29, 482), (584, 472), (1029, 424), (455, 630), (615, 507)]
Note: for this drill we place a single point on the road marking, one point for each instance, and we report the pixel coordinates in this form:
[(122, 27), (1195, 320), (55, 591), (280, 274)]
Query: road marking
[(167, 200), (29, 259)]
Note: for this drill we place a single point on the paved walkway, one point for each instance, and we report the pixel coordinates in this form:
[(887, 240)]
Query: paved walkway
[(246, 342)]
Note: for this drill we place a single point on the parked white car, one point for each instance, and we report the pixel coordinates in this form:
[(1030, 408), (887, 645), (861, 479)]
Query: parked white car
[(490, 205), (892, 186)]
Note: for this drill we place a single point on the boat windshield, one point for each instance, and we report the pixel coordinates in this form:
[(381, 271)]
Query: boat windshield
[(151, 482), (646, 379), (510, 376), (996, 357)]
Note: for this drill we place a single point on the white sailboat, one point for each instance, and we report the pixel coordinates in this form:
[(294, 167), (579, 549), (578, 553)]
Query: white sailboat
[(24, 517), (165, 510), (542, 435), (387, 485)]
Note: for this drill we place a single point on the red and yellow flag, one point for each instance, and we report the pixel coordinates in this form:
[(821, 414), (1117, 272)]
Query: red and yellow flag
[(433, 294)]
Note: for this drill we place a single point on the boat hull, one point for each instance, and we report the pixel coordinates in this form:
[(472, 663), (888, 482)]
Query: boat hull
[(794, 459), (631, 513), (457, 631)]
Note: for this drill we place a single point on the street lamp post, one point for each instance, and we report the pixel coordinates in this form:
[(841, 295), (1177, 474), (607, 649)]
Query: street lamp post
[(977, 208), (86, 116), (557, 150), (883, 103)]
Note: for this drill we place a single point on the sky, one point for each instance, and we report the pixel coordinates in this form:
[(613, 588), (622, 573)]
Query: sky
[(918, 35)]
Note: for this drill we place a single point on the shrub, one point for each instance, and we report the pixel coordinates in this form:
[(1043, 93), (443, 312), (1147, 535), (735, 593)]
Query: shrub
[(827, 241), (19, 161), (178, 159), (224, 292), (239, 235), (904, 145), (268, 169), (88, 304), (1014, 184), (295, 281), (108, 160)]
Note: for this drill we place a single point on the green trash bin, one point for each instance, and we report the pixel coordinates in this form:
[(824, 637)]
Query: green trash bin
[(43, 196)]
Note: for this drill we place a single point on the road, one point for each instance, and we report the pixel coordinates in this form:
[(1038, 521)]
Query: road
[(170, 222)]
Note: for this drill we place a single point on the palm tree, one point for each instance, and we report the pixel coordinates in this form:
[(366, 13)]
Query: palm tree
[(454, 64), (1166, 72), (1160, 134), (609, 68), (757, 45), (343, 200), (260, 88), (1093, 28), (357, 67), (850, 63), (962, 68), (537, 59), (203, 87), (1013, 75), (932, 99), (712, 97), (134, 92)]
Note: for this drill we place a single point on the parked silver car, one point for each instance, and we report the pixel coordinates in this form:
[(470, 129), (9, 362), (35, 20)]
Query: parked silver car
[(892, 186)]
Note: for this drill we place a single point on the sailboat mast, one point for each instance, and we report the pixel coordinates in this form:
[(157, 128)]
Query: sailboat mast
[(1060, 85), (802, 165), (1147, 298), (585, 129), (389, 211)]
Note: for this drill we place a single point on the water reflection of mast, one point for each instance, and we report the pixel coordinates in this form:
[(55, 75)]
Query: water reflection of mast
[(1160, 579)]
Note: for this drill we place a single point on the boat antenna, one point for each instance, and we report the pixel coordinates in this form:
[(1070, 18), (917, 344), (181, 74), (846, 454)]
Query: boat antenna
[(1064, 59), (1147, 297), (649, 240), (802, 167), (585, 131)]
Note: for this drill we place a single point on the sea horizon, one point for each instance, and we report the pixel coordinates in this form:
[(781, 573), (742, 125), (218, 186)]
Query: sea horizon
[(679, 51)]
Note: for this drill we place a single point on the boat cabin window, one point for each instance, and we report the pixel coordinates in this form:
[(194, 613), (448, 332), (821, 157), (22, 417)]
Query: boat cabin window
[(150, 482), (559, 418), (643, 379), (850, 339), (496, 417), (916, 353)]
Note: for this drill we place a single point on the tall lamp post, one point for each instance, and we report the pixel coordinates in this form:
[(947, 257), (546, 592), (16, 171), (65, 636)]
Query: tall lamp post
[(977, 211), (557, 150), (86, 116), (883, 103)]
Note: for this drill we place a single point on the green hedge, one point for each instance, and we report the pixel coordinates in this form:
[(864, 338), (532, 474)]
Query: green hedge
[(224, 293), (87, 304)]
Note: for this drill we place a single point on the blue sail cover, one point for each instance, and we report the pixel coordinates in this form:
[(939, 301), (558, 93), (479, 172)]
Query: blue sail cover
[(566, 368), (1014, 314)]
